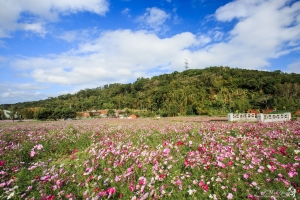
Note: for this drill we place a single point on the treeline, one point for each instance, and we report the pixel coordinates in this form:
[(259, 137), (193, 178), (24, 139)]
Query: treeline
[(210, 91)]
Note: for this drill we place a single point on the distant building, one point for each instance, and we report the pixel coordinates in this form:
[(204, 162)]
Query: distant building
[(132, 117), (100, 113), (7, 114)]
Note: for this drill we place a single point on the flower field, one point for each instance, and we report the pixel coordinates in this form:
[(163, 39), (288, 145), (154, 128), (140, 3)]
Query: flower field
[(149, 159)]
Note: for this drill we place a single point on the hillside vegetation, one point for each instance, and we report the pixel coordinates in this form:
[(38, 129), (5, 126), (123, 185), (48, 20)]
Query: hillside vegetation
[(210, 91)]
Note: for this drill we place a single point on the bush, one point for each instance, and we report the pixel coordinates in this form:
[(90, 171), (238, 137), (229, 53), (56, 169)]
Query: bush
[(43, 114), (64, 113)]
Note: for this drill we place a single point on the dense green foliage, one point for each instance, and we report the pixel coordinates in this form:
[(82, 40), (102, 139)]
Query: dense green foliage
[(43, 113), (47, 113), (214, 90)]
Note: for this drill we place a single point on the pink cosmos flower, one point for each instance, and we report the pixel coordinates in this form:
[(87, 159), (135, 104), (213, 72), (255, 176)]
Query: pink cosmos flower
[(142, 181), (69, 196), (29, 188), (201, 183), (32, 167), (58, 182), (246, 176), (178, 182), (205, 187), (45, 178), (117, 179), (102, 194), (186, 162), (179, 143), (131, 187), (220, 164), (110, 191), (145, 196), (286, 182), (142, 189), (32, 153), (130, 169), (39, 147), (166, 151), (272, 168), (254, 183), (292, 174), (229, 196), (2, 162)]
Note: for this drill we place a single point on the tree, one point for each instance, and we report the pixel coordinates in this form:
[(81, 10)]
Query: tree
[(2, 115), (110, 112), (64, 113), (189, 110), (13, 112), (43, 114), (27, 113)]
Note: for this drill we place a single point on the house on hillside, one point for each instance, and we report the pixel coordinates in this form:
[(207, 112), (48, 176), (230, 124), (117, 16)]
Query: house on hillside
[(264, 111), (82, 114), (7, 114), (100, 113), (103, 113), (132, 117)]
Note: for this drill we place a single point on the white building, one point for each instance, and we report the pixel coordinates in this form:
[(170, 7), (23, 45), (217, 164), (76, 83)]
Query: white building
[(7, 114)]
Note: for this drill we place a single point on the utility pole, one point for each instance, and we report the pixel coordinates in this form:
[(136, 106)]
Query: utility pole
[(186, 64)]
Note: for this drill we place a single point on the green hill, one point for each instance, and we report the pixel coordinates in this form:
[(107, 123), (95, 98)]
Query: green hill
[(210, 91)]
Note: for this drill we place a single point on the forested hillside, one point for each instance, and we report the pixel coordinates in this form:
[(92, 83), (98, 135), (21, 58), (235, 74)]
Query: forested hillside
[(214, 90)]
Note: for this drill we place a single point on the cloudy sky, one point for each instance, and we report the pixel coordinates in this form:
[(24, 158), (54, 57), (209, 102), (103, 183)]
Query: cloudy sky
[(53, 47)]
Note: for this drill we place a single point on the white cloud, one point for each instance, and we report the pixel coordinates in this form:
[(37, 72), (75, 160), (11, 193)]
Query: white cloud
[(12, 11), (294, 67), (13, 92), (263, 31), (126, 12), (154, 18), (218, 35), (115, 56), (35, 27), (78, 35), (69, 36)]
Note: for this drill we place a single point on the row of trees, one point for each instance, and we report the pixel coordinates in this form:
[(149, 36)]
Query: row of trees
[(214, 90), (46, 113), (38, 113)]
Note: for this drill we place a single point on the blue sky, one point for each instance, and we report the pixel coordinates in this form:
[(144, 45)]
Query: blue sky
[(53, 47)]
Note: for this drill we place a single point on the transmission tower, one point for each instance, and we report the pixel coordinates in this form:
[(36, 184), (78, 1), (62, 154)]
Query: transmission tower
[(186, 64)]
